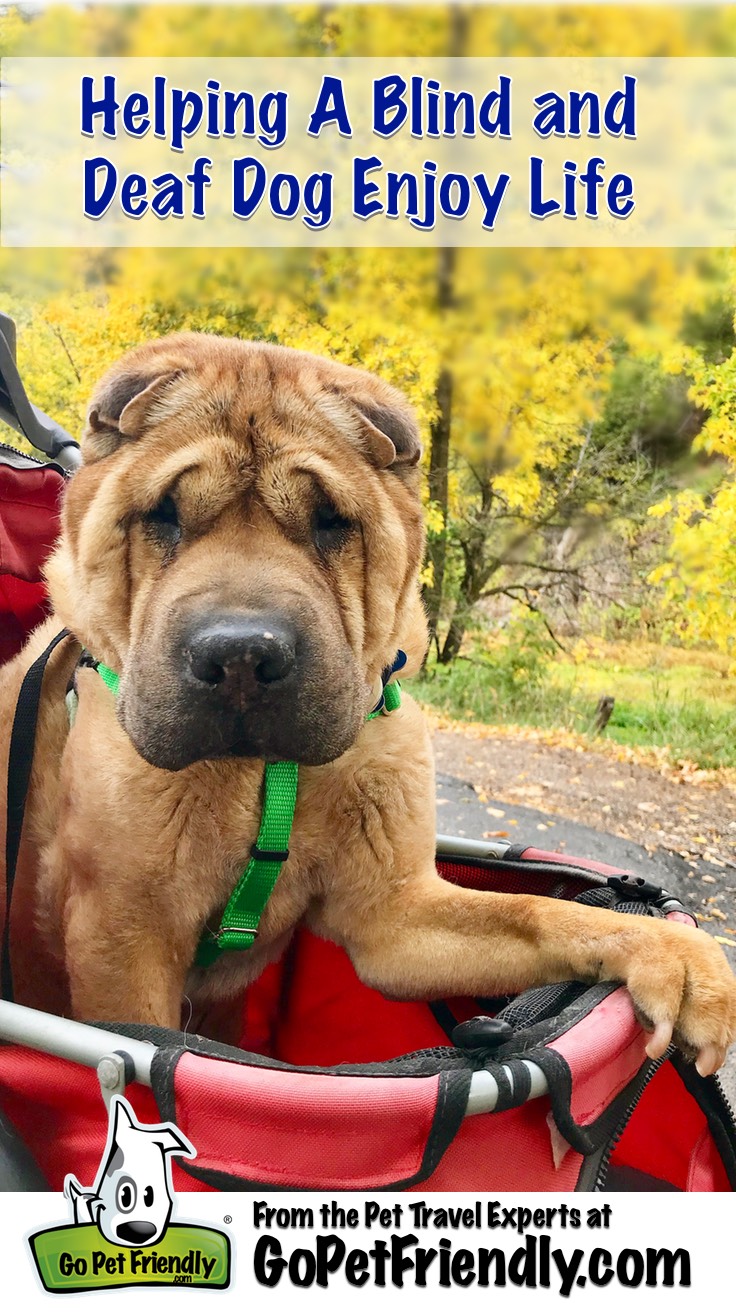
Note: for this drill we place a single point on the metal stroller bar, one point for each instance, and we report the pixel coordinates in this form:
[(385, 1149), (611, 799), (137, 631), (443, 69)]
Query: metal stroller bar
[(98, 1049), (70, 1039), (456, 847)]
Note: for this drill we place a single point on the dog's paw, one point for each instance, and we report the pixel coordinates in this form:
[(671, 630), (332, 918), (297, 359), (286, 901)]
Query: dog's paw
[(685, 991)]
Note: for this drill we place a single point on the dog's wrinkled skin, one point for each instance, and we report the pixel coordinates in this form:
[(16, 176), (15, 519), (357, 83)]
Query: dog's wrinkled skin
[(242, 546)]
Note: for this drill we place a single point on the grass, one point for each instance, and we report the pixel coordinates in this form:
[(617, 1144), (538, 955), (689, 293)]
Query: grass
[(665, 697)]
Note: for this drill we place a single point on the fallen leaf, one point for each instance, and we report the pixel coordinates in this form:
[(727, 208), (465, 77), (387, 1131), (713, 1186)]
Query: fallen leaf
[(495, 834)]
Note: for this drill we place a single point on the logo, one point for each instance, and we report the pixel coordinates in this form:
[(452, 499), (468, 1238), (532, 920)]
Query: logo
[(122, 1233)]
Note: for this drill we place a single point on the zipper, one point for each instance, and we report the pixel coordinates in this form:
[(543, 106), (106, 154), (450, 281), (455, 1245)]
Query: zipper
[(650, 1072), (726, 1110), (726, 1103), (25, 456), (16, 451)]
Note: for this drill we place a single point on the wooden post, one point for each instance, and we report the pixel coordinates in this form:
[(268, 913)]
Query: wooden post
[(603, 713)]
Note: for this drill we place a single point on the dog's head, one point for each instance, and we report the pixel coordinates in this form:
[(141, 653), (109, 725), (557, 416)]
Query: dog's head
[(242, 545)]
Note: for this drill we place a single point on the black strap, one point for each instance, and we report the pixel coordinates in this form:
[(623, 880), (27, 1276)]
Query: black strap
[(20, 763), (268, 854)]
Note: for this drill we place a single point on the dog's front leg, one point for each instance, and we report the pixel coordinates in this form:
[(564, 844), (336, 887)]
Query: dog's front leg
[(413, 935), (122, 963), (113, 882), (120, 973), (416, 936)]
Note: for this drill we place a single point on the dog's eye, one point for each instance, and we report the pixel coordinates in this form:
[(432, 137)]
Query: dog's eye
[(329, 527), (126, 1195), (163, 521), (148, 1196)]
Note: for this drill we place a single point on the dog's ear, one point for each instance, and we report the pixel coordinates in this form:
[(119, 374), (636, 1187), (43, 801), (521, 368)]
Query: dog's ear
[(390, 434), (120, 408)]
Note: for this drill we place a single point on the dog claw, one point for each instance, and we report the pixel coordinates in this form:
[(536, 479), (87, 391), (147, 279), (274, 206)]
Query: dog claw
[(660, 1041), (708, 1060)]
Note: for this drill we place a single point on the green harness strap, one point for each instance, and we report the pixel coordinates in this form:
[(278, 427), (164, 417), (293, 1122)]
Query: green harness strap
[(109, 677), (247, 902)]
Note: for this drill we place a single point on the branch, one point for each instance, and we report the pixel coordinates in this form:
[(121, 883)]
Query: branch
[(475, 661), (527, 602), (539, 586), (57, 333), (536, 565), (579, 462), (480, 480)]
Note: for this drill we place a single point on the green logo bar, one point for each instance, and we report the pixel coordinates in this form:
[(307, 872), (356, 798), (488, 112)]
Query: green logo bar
[(77, 1258)]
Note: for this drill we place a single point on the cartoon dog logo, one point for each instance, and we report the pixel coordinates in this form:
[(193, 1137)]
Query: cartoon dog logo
[(132, 1197)]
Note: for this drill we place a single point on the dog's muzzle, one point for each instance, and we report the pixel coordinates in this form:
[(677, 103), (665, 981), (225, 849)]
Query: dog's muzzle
[(245, 683)]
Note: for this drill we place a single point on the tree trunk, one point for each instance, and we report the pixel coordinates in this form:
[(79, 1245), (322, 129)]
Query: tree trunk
[(478, 570), (469, 594), (441, 429), (439, 455), (453, 641)]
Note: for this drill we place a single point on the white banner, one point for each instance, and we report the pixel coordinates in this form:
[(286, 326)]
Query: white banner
[(368, 152), (310, 1252)]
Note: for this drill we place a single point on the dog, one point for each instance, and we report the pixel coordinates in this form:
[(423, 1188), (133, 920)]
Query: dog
[(132, 1197), (242, 547)]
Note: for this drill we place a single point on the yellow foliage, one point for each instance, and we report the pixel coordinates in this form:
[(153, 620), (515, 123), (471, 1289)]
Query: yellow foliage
[(531, 336), (662, 508)]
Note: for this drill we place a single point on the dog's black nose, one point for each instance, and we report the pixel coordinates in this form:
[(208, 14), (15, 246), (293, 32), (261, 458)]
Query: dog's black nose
[(229, 648), (135, 1231)]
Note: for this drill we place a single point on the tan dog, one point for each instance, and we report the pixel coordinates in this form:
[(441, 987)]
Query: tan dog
[(242, 546)]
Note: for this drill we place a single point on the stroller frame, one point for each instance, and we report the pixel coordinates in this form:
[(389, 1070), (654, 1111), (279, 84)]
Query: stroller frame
[(131, 1059)]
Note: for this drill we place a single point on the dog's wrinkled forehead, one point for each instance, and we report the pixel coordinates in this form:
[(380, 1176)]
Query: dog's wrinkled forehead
[(245, 390)]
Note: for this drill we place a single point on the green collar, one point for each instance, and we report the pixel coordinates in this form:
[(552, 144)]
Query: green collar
[(246, 905)]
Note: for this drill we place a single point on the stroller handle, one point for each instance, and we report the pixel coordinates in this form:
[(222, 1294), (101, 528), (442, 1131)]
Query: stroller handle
[(91, 1047), (16, 410)]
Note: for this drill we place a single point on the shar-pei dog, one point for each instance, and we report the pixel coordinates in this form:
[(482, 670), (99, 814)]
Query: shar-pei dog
[(242, 546)]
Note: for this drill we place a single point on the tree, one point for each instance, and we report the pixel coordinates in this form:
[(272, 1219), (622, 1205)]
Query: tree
[(698, 575)]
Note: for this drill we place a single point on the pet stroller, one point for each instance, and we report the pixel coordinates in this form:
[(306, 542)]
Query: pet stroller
[(328, 1085)]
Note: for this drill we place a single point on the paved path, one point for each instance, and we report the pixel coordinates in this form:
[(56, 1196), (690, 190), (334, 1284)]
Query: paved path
[(461, 812)]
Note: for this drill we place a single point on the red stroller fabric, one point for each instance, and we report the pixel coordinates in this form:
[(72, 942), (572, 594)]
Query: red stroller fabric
[(611, 1121), (30, 503)]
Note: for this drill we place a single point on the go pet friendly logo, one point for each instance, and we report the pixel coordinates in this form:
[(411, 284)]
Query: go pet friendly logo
[(122, 1233)]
